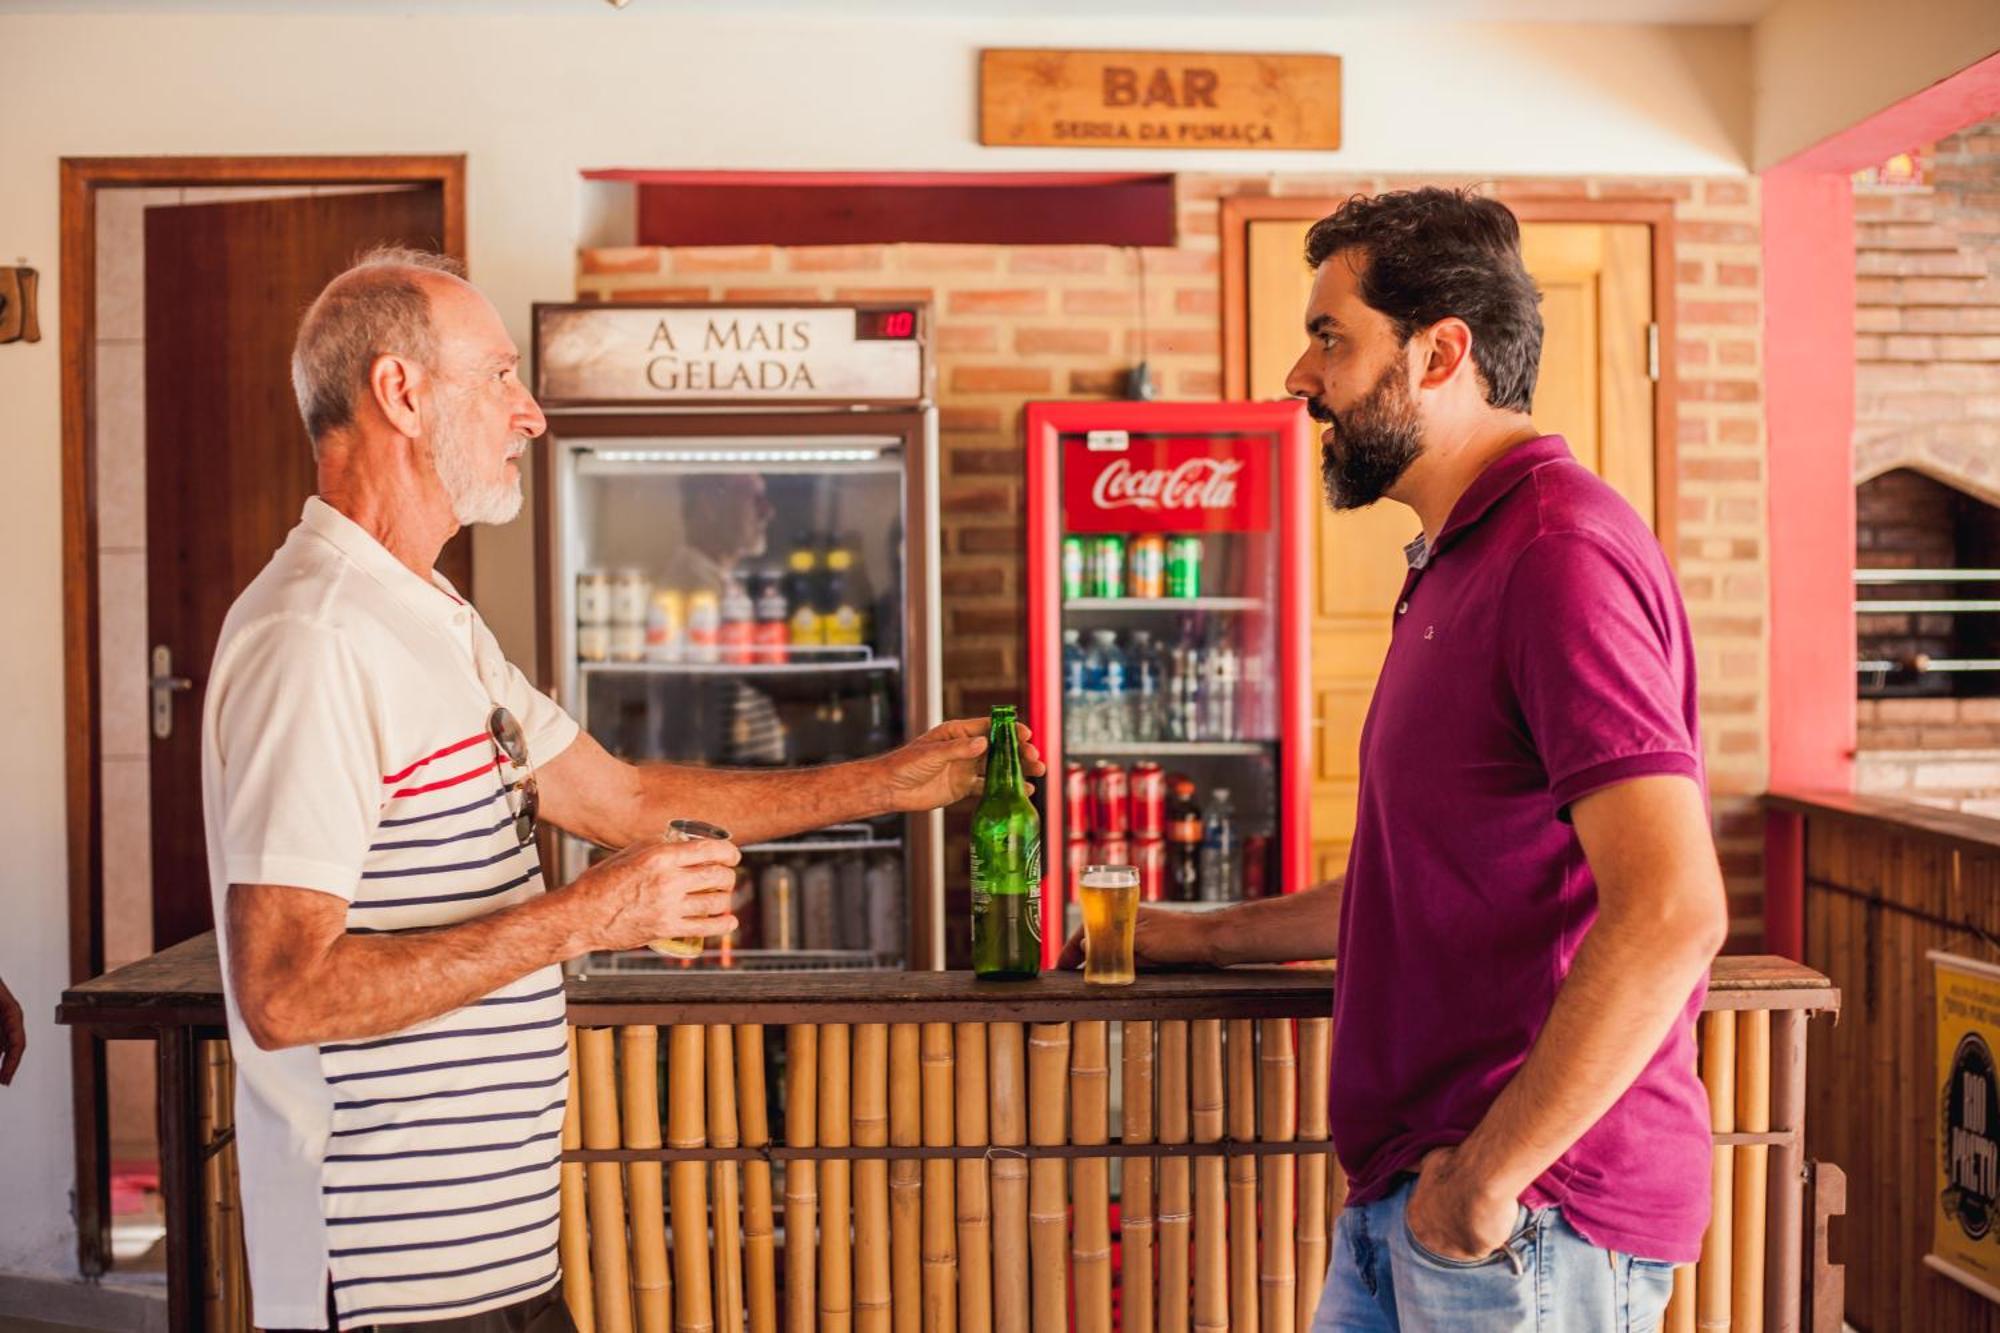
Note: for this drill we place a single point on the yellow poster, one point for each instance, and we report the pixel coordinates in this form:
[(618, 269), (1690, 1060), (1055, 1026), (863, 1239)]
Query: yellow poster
[(1965, 1221)]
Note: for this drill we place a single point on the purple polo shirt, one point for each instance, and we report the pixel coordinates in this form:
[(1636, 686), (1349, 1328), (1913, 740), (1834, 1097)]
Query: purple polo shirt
[(1540, 653)]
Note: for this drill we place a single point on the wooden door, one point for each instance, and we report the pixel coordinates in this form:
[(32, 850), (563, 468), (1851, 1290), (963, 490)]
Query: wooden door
[(1595, 388), (227, 463)]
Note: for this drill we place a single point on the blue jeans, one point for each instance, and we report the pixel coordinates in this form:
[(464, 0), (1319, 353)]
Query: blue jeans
[(1548, 1279)]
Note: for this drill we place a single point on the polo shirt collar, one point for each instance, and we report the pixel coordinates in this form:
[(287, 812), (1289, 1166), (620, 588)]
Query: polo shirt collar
[(431, 599), (1501, 476)]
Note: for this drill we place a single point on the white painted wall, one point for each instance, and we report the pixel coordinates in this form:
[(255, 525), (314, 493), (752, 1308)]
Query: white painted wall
[(1823, 66), (533, 98)]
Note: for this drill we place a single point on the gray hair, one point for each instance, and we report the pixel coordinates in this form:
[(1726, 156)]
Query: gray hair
[(378, 307)]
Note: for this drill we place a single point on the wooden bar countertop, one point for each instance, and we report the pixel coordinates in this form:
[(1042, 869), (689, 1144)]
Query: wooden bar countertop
[(182, 987)]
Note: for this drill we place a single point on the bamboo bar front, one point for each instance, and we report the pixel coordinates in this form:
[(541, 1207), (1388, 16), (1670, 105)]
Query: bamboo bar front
[(965, 1156)]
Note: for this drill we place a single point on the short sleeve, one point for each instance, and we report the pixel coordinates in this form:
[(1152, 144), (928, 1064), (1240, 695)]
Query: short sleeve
[(548, 729), (294, 732), (1589, 644)]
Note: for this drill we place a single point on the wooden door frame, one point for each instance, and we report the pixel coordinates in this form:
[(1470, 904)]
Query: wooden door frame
[(81, 179), (1239, 211)]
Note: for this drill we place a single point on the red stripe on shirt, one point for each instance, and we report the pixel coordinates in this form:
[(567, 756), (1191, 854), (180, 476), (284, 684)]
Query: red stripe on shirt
[(487, 767), (449, 749)]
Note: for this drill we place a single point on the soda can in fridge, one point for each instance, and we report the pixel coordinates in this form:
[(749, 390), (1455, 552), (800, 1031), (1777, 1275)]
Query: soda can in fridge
[(850, 875), (885, 906), (1076, 801), (1112, 851), (1149, 800), (778, 906), (819, 906), (1149, 565), (1184, 567), (1110, 814), (1257, 866), (1150, 856), (1073, 564), (1076, 860), (1107, 566)]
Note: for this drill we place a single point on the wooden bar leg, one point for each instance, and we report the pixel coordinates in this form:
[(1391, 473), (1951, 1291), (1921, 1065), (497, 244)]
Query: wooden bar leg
[(1826, 1297), (179, 1106), (1784, 1241)]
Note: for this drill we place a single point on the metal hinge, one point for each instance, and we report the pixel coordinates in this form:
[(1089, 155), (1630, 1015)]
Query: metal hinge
[(1653, 352)]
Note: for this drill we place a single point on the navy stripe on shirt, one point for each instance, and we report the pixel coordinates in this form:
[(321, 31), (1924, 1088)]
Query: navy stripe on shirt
[(513, 1146), (532, 1255), (447, 868), (531, 1285), (537, 1224), (449, 1183), (439, 842), (408, 820), (517, 999), (427, 1214), (437, 1121), (562, 1050), (342, 1048), (366, 1102), (378, 903)]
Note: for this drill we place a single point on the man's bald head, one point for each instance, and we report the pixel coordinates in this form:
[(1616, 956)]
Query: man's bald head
[(381, 306)]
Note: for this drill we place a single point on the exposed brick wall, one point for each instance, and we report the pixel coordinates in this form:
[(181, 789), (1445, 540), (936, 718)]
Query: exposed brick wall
[(1021, 323), (1927, 401), (1927, 345)]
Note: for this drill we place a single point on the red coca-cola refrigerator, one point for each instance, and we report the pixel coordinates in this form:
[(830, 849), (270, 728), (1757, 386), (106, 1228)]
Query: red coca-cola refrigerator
[(1169, 578)]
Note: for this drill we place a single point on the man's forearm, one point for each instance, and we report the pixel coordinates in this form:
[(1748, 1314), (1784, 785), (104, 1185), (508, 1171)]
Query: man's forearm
[(360, 986), (1626, 988), (1287, 929), (755, 805)]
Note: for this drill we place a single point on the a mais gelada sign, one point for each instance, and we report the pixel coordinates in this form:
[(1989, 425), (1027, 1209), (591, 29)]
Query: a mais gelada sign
[(1965, 1221)]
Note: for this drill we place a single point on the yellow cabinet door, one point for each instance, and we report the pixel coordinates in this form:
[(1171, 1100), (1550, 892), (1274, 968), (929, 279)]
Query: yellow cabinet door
[(1595, 388)]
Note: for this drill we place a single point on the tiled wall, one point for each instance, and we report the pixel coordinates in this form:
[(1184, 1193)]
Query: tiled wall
[(1021, 323)]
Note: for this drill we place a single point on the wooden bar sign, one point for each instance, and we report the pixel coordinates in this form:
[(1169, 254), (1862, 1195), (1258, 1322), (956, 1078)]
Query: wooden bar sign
[(1158, 99)]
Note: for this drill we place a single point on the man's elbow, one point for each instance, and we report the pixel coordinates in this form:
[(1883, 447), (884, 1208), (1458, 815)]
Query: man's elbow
[(1701, 924), (272, 1024)]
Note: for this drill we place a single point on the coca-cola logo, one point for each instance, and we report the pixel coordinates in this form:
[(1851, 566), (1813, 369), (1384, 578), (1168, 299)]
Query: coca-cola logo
[(1198, 483)]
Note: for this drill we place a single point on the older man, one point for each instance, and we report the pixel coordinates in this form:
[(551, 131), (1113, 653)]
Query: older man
[(1532, 897), (373, 774)]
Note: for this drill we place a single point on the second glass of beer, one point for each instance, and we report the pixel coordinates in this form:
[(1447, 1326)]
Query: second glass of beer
[(1110, 915), (687, 830)]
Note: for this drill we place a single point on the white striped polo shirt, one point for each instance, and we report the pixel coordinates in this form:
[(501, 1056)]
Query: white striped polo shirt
[(344, 750)]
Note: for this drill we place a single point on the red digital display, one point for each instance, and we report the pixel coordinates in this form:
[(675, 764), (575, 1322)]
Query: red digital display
[(884, 325)]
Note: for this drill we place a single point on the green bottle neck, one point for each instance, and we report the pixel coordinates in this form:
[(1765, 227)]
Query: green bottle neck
[(1003, 756)]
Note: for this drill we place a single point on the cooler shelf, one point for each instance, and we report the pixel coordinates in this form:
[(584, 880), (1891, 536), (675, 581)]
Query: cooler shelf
[(1164, 604), (1149, 749), (740, 668)]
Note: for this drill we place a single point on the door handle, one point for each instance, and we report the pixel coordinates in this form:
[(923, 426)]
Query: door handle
[(164, 686)]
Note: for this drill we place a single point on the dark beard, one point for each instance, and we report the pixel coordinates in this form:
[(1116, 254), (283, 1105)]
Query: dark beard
[(1374, 443)]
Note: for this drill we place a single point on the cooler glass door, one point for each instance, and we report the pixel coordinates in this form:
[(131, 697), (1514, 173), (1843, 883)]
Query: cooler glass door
[(757, 601), (1167, 568)]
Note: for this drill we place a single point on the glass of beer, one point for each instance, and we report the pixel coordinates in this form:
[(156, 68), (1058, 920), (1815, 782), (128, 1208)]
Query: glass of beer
[(687, 830), (1110, 914)]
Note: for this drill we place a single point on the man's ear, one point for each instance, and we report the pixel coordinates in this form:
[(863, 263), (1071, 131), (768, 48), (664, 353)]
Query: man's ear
[(396, 384), (1447, 345)]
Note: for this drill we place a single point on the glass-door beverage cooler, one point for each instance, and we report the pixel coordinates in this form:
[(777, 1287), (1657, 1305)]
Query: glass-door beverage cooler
[(736, 511), (1169, 584)]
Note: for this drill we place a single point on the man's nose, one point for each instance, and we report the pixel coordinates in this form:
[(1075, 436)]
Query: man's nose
[(529, 413), (1297, 382)]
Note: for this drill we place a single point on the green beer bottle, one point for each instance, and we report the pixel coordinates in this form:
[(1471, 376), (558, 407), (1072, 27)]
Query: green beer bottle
[(1006, 863)]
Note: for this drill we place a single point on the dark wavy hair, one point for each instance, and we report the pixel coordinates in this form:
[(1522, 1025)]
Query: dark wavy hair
[(1425, 255)]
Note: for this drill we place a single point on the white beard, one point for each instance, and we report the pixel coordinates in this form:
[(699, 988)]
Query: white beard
[(472, 500)]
